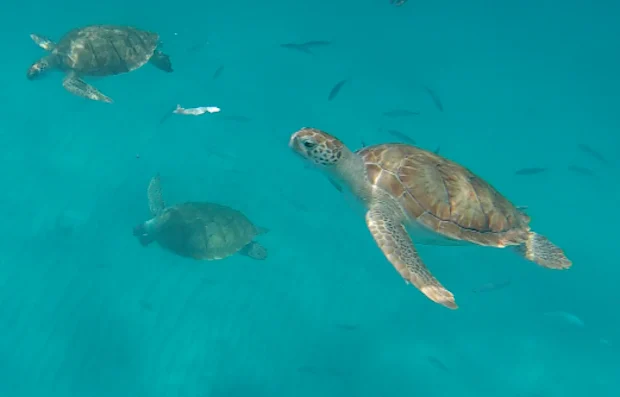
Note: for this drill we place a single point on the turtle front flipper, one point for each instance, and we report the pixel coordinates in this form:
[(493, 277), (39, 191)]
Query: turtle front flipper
[(43, 42), (161, 61), (156, 200), (393, 239), (254, 250), (79, 87), (39, 68)]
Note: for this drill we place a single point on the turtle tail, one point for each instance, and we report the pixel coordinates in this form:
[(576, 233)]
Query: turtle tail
[(143, 236)]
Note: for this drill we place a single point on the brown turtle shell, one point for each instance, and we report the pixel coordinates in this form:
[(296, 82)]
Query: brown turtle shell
[(103, 50), (445, 196)]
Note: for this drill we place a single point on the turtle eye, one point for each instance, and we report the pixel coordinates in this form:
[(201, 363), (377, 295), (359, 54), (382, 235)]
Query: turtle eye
[(308, 144)]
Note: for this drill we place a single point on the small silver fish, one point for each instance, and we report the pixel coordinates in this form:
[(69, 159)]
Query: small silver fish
[(196, 111)]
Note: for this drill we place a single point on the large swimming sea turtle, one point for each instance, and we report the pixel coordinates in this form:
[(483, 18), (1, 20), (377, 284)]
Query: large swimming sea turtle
[(98, 50), (198, 230), (409, 192)]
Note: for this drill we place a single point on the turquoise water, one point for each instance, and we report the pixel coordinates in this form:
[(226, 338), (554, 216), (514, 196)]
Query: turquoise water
[(86, 311)]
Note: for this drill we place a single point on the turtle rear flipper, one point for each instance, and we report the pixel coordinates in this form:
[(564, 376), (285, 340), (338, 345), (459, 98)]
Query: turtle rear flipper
[(79, 87), (254, 250), (43, 42), (161, 61), (156, 200)]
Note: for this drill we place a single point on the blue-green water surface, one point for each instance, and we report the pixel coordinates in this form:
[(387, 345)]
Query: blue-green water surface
[(85, 311)]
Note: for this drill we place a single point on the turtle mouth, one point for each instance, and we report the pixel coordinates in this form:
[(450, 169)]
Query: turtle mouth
[(296, 146), (293, 143), (33, 72)]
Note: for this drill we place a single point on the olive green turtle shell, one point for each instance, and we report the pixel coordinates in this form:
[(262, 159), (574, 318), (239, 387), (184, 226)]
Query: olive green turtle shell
[(103, 50), (204, 231)]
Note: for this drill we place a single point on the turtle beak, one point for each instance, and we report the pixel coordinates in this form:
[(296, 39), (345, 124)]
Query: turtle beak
[(294, 144)]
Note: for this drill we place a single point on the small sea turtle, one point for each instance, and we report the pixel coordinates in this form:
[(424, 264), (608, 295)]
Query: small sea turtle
[(203, 231), (409, 192), (98, 50)]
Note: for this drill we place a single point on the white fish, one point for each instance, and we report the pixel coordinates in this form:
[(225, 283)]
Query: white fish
[(196, 111), (568, 317)]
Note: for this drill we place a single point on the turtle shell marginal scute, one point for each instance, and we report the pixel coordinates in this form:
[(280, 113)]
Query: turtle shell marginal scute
[(444, 196)]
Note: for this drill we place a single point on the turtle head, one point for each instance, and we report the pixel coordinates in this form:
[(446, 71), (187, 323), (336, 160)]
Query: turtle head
[(318, 147), (143, 235), (39, 68)]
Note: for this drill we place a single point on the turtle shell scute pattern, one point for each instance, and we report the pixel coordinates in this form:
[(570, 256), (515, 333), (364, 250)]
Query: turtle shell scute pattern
[(445, 196), (205, 231), (103, 50)]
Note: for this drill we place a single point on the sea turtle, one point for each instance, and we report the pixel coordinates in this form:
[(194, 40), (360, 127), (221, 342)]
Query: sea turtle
[(409, 192), (98, 50), (198, 230)]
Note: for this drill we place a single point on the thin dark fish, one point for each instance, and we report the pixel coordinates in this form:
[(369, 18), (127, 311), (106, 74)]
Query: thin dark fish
[(401, 136), (315, 43), (336, 89), (398, 3), (581, 170), (437, 150), (167, 115), (197, 47), (296, 47), (364, 144), (437, 363), (592, 153), (492, 286), (530, 171), (217, 72), (306, 46), (316, 371), (400, 113), (434, 97), (347, 327)]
